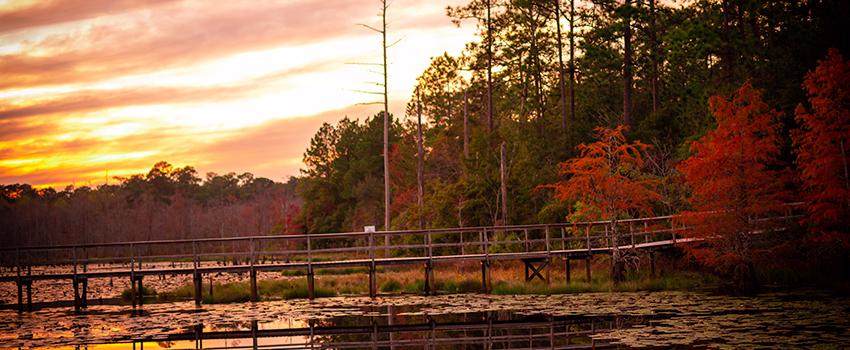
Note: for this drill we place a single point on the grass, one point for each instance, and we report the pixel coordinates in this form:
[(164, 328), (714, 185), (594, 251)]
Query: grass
[(634, 282), (127, 294), (241, 291), (391, 286), (507, 278)]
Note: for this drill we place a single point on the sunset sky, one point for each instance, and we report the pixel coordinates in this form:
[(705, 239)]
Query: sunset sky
[(117, 85)]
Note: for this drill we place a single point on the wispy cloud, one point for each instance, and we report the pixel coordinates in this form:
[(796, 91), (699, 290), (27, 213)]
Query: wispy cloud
[(96, 86)]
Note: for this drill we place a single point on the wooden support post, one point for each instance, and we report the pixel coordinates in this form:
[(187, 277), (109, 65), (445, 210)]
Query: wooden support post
[(373, 290), (485, 276), (652, 263), (254, 296), (133, 289), (20, 296), (587, 266), (141, 290), (311, 291), (429, 278), (210, 275), (198, 290), (29, 295), (76, 282), (85, 298), (133, 275), (567, 268), (76, 294)]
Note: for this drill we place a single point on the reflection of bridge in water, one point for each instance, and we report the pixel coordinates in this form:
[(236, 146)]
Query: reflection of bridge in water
[(465, 331), (535, 245)]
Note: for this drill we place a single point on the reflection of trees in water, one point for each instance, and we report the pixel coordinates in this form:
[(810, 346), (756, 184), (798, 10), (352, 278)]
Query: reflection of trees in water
[(496, 329)]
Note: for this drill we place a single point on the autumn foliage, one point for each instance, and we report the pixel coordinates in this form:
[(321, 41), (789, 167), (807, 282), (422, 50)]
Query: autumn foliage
[(736, 179), (607, 179), (823, 147)]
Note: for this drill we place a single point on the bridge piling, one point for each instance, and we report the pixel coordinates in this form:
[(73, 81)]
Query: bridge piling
[(372, 282), (85, 298), (20, 296), (141, 290), (196, 279), (311, 292), (429, 278), (29, 295), (254, 294), (76, 294), (485, 276)]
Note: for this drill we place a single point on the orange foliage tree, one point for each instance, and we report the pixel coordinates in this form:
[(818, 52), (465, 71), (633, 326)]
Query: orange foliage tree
[(607, 179), (823, 144), (736, 178)]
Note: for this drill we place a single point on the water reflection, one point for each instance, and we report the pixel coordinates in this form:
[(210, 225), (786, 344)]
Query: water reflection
[(480, 330), (800, 319)]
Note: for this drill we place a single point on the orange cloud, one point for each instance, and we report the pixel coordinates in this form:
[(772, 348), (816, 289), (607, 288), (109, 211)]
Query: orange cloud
[(96, 86)]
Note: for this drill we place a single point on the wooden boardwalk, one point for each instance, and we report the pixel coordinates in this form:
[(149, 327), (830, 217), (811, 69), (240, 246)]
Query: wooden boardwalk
[(536, 245)]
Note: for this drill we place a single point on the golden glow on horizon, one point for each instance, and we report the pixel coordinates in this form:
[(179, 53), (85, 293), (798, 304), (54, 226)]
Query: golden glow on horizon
[(211, 90)]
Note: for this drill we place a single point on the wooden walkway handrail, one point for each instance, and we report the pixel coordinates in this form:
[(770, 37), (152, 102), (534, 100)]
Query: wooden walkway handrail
[(354, 234)]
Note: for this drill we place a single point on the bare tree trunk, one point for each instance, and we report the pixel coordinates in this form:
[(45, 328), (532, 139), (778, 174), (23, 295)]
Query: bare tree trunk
[(489, 71), (561, 82), (618, 264), (465, 125), (538, 79), (653, 80), (627, 66), (572, 62), (386, 128), (420, 162), (503, 172)]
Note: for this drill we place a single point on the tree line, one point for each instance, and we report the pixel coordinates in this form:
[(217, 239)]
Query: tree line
[(165, 203)]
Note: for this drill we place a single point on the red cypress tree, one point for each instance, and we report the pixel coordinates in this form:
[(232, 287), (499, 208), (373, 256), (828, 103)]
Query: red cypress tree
[(734, 178), (823, 149), (608, 179)]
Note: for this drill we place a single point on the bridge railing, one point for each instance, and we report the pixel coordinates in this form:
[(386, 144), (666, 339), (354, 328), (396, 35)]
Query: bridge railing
[(475, 242), (472, 242)]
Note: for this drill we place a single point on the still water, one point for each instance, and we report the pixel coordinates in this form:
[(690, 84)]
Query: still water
[(796, 319)]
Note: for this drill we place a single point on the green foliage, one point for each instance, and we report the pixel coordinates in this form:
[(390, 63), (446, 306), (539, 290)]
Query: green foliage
[(146, 291), (301, 292), (391, 286)]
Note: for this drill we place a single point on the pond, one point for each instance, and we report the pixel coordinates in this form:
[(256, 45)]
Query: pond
[(685, 320)]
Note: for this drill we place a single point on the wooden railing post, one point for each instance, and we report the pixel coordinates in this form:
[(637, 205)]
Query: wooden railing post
[(632, 233), (196, 275), (310, 280), (253, 272), (20, 283), (430, 245), (373, 288), (527, 243), (133, 274), (74, 281)]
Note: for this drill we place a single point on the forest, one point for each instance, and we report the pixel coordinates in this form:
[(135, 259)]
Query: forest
[(559, 111)]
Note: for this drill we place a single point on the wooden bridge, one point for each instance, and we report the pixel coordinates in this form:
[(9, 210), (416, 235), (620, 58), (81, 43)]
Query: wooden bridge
[(535, 245)]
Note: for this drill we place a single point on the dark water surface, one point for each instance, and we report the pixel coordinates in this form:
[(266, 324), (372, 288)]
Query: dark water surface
[(796, 319)]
